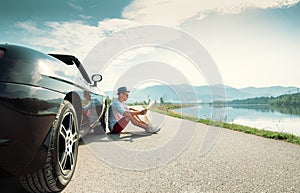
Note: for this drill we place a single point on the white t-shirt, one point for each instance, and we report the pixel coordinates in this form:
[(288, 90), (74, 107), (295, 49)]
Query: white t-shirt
[(116, 112)]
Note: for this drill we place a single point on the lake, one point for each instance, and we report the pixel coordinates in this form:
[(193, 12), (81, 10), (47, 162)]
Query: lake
[(278, 119)]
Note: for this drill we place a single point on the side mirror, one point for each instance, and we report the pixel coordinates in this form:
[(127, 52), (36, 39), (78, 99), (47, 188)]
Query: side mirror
[(96, 78)]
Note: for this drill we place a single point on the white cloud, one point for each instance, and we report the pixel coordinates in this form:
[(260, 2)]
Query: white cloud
[(158, 55), (175, 12), (75, 37), (29, 27), (78, 38), (115, 25), (62, 37), (227, 39)]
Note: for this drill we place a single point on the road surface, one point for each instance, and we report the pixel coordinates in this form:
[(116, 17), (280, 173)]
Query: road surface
[(185, 157), (236, 162)]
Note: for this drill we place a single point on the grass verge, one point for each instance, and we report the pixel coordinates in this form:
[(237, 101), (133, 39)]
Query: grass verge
[(167, 109)]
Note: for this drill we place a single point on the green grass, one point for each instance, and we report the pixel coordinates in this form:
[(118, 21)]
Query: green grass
[(167, 109)]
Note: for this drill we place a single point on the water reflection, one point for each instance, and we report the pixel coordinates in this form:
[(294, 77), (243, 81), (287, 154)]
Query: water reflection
[(31, 106), (281, 119), (294, 110)]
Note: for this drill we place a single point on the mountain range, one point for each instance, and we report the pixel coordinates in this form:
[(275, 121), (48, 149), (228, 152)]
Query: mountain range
[(186, 93)]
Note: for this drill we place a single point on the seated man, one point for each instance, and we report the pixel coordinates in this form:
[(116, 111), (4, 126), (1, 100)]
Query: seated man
[(119, 115)]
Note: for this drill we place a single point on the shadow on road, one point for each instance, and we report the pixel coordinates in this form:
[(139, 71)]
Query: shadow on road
[(11, 184), (109, 137)]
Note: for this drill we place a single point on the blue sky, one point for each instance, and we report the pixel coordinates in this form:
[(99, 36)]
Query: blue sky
[(253, 42), (57, 10), (39, 12)]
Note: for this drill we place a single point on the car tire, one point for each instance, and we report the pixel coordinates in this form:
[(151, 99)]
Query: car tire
[(101, 128), (62, 155), (103, 121)]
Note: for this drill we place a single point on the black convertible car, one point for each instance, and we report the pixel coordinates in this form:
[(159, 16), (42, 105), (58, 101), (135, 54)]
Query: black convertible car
[(47, 102)]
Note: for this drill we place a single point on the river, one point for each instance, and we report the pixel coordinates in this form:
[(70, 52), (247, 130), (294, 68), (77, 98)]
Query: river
[(278, 119)]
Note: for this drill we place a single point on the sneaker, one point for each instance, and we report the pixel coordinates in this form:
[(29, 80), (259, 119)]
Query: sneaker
[(152, 129)]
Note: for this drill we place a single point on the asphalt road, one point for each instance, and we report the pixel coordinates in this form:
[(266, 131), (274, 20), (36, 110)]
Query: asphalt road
[(185, 157), (218, 161)]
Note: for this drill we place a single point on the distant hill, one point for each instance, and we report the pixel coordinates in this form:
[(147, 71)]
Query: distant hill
[(282, 100), (270, 91), (187, 93), (286, 100), (251, 101)]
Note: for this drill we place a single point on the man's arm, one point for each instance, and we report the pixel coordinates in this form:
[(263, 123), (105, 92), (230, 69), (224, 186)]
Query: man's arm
[(134, 113), (142, 112)]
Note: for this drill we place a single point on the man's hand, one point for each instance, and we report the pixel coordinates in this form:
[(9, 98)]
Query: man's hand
[(143, 112)]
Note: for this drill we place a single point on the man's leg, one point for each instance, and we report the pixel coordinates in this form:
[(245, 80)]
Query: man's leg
[(135, 120), (138, 118), (122, 123)]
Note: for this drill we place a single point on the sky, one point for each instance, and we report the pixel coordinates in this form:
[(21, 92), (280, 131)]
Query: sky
[(253, 43)]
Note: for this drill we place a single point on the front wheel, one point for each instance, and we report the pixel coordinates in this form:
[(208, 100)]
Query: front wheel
[(62, 155)]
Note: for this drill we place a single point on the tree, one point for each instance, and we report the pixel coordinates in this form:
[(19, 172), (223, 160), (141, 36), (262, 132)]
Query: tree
[(161, 100)]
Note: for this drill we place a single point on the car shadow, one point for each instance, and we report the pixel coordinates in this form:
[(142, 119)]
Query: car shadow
[(111, 137), (127, 136), (12, 184)]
